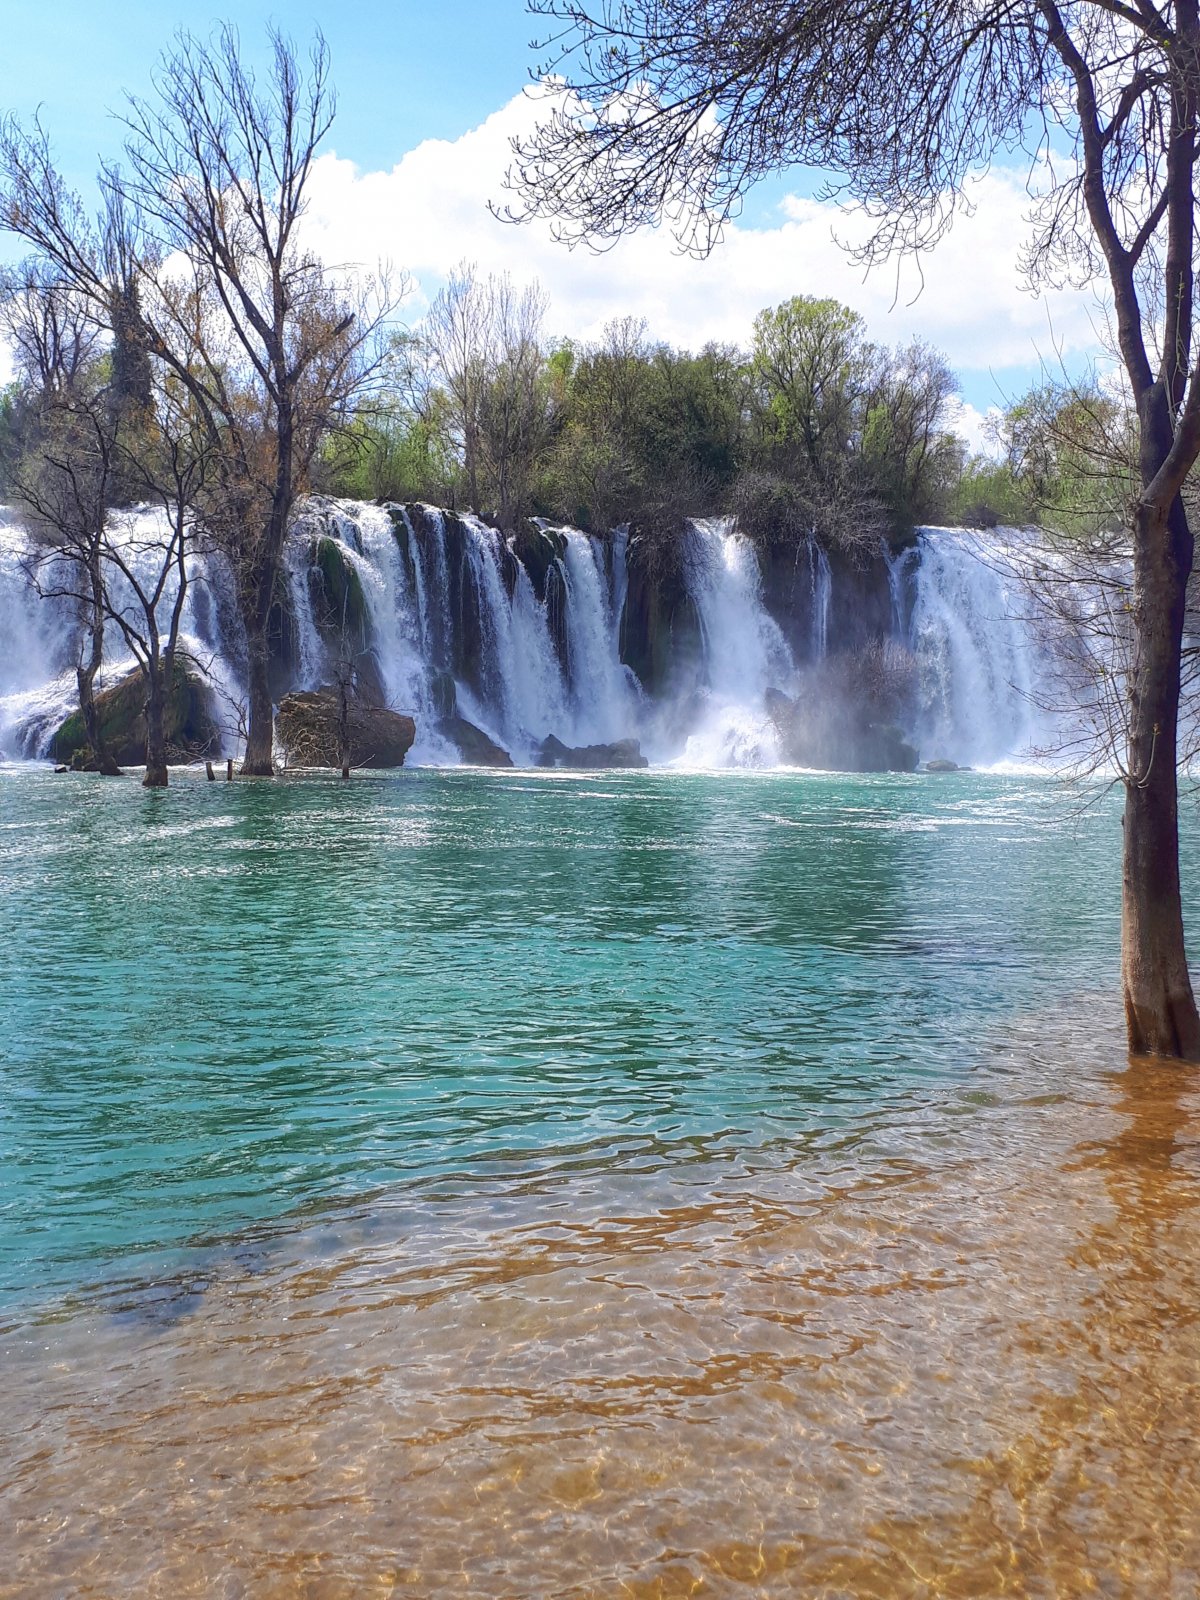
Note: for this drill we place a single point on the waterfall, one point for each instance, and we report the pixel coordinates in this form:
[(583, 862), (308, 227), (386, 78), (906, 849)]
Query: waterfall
[(41, 638), (745, 653), (981, 661), (522, 635), (822, 599), (603, 697), (901, 567), (37, 640)]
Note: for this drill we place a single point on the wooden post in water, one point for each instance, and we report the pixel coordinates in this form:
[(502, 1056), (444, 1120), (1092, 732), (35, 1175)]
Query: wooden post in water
[(229, 770), (209, 773)]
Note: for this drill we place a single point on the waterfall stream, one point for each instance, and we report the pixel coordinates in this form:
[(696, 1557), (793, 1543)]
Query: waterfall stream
[(449, 614)]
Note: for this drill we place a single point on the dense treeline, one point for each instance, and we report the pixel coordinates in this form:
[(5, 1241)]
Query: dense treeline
[(814, 430)]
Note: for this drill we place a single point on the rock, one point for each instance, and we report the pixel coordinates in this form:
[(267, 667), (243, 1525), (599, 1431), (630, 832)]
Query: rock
[(339, 604), (623, 753), (778, 706), (829, 735), (942, 766), (190, 730), (307, 726), (472, 744), (62, 769), (538, 549)]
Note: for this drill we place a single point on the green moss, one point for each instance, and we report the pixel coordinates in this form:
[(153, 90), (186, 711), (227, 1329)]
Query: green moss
[(187, 722), (537, 549), (341, 601)]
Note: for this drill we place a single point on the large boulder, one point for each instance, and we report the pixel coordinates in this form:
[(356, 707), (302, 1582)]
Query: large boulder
[(621, 753), (308, 726), (190, 729), (835, 737), (472, 744)]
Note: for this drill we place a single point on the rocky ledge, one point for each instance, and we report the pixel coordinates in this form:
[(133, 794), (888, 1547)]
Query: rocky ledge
[(592, 757), (188, 724)]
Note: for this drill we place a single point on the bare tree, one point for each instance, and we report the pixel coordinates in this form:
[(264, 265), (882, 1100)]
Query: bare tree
[(200, 242), (672, 108), (458, 334), (62, 483), (485, 337), (151, 560), (53, 339), (130, 570), (63, 473)]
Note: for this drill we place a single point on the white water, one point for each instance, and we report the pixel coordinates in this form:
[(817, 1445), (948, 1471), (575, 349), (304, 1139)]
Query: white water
[(983, 668), (980, 665), (42, 641), (745, 653)]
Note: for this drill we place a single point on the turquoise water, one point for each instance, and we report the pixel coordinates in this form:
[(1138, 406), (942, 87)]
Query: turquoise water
[(227, 1006)]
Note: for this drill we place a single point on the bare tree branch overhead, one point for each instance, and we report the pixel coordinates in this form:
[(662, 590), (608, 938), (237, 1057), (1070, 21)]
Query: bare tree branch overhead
[(668, 111)]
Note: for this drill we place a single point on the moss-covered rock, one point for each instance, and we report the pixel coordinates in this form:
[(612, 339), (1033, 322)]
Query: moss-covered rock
[(538, 549), (339, 604), (188, 723)]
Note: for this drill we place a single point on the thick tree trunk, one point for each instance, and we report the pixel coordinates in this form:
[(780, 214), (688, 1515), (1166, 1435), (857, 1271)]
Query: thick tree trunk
[(258, 761), (156, 743), (1160, 1008), (85, 683)]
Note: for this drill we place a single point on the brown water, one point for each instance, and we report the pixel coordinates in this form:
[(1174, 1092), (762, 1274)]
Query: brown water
[(890, 1371)]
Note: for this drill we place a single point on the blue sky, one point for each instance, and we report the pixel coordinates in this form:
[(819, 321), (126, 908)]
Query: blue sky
[(427, 99), (404, 71)]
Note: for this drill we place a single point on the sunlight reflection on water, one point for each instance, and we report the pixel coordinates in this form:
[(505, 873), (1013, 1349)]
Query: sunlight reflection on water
[(770, 1220)]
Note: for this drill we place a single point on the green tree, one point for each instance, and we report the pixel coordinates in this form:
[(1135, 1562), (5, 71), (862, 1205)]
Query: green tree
[(812, 369)]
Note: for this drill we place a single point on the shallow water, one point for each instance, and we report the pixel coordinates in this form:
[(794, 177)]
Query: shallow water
[(645, 1184)]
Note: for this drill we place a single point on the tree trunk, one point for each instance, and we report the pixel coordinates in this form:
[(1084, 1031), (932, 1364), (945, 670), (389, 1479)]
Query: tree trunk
[(156, 744), (85, 679), (1160, 1008), (85, 676), (344, 724), (258, 762)]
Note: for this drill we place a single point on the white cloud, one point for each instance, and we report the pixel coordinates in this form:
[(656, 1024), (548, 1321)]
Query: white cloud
[(431, 211), (974, 427)]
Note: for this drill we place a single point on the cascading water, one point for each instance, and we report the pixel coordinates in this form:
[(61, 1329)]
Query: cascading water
[(981, 662), (822, 599), (745, 653), (37, 637), (603, 690), (449, 617), (41, 638)]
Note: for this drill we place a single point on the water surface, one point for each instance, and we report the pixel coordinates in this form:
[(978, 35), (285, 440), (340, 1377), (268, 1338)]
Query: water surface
[(641, 1184)]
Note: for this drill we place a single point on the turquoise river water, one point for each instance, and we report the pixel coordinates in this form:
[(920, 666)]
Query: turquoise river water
[(648, 1184)]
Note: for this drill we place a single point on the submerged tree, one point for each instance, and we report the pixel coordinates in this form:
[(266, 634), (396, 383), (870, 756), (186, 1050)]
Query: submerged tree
[(62, 462), (673, 108)]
